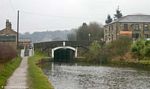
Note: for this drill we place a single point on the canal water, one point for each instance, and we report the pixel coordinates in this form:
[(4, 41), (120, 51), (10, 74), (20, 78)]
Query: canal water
[(73, 76)]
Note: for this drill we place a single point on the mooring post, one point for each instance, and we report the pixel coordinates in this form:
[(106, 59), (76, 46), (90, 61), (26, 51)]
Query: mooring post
[(76, 52), (64, 43), (52, 53)]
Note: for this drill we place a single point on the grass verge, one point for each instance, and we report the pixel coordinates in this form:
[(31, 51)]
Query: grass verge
[(36, 78), (7, 69), (140, 65), (137, 65)]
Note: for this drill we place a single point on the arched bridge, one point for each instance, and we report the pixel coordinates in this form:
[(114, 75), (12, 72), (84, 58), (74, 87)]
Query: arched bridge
[(62, 50)]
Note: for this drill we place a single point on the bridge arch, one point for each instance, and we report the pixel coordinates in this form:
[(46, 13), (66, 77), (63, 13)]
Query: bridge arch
[(57, 50)]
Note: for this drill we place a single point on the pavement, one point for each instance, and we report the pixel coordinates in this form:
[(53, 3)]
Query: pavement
[(18, 80)]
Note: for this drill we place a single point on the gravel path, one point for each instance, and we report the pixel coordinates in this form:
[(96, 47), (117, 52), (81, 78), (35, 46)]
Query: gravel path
[(19, 78)]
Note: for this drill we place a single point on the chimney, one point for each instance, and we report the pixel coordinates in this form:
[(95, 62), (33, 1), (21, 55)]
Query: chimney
[(8, 24)]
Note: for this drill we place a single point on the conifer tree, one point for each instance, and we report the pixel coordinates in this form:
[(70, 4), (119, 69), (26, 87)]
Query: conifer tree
[(109, 19), (118, 14)]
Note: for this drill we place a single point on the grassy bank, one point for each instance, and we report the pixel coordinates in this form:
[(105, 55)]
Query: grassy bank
[(7, 69), (137, 65), (36, 78), (140, 65)]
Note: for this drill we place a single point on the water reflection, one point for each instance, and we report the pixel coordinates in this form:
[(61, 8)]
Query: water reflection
[(72, 76)]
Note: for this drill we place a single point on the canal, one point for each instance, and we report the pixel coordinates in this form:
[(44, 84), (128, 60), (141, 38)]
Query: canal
[(73, 76)]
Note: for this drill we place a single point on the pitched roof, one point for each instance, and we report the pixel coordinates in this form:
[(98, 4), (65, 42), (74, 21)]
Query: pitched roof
[(134, 18), (8, 32)]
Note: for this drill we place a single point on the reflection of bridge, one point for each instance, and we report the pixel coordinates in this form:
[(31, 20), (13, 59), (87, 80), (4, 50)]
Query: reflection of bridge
[(59, 50)]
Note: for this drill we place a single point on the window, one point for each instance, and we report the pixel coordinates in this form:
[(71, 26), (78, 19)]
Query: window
[(136, 35), (136, 27), (145, 27), (106, 37), (125, 27), (105, 31), (132, 26), (146, 35), (110, 29), (7, 38)]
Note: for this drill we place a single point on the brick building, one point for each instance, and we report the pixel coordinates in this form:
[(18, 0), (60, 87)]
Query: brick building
[(8, 36), (134, 26)]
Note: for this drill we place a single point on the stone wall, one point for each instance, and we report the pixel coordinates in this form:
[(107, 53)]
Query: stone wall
[(112, 31), (12, 44)]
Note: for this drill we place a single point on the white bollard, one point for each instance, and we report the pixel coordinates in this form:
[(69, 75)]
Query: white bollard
[(22, 53)]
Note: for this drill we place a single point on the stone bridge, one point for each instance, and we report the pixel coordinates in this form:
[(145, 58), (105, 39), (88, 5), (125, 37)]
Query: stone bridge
[(66, 50)]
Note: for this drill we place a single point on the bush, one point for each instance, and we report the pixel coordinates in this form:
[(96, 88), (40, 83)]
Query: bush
[(93, 53), (119, 47), (147, 51), (141, 49), (103, 54), (97, 54), (7, 53)]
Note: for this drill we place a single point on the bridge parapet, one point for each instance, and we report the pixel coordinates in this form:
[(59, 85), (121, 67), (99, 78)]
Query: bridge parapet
[(47, 47), (53, 44)]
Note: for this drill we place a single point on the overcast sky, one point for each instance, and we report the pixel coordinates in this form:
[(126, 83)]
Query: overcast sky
[(43, 15)]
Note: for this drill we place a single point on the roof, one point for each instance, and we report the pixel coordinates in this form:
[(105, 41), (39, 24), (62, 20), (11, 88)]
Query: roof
[(8, 29), (8, 32), (134, 18)]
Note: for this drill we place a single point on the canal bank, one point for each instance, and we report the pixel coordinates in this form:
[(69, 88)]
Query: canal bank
[(136, 65), (139, 65), (36, 78)]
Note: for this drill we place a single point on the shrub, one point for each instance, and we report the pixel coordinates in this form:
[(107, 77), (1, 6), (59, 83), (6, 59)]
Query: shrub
[(141, 49), (93, 53), (97, 54), (119, 47), (102, 54)]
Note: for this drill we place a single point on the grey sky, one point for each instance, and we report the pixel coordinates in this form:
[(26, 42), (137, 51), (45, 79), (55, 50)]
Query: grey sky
[(43, 15)]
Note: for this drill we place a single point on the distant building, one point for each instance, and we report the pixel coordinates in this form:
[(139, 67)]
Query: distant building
[(8, 36), (134, 26), (24, 43)]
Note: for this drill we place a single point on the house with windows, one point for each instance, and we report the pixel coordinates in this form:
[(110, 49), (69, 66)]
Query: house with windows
[(8, 36), (133, 26)]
